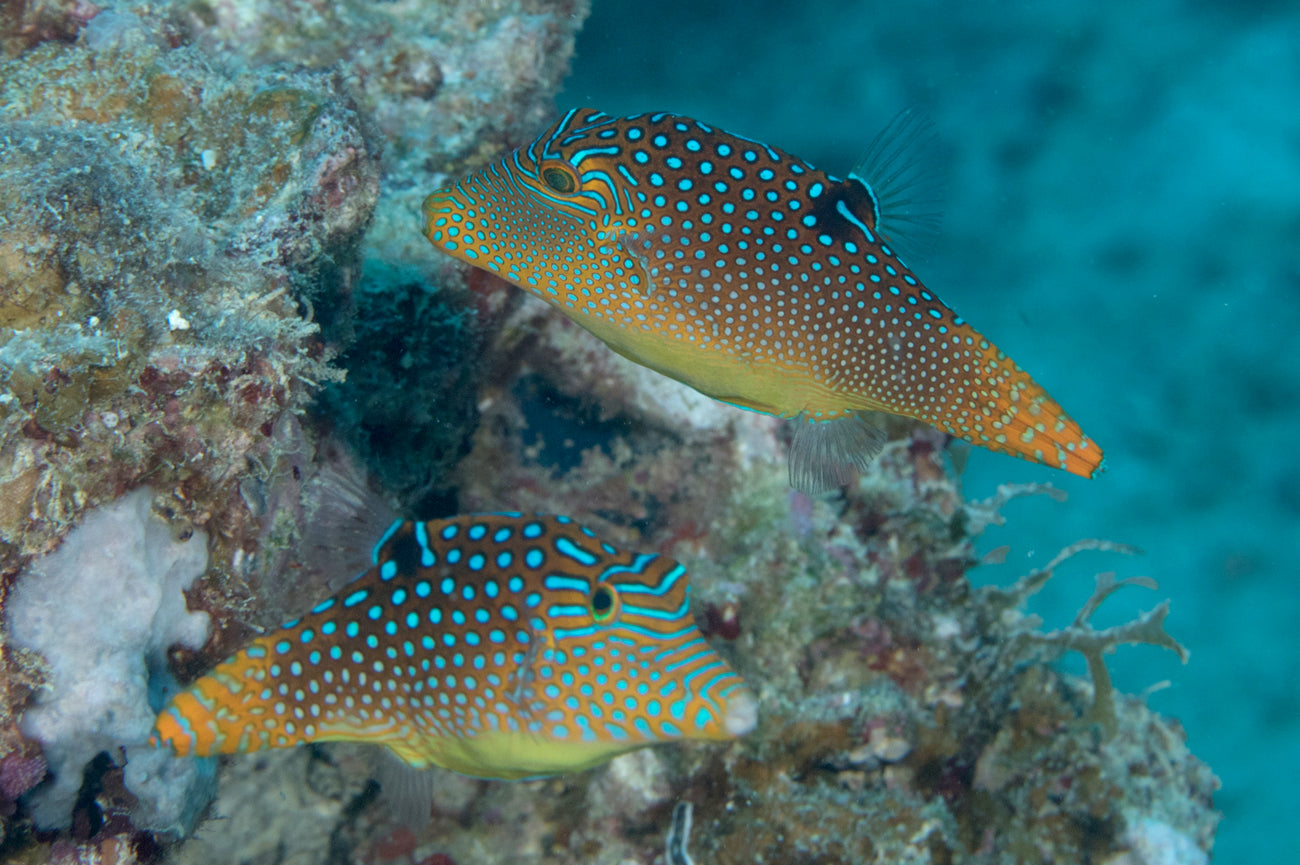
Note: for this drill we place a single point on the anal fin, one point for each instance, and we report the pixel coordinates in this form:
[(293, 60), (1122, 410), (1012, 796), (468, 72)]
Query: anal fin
[(406, 789), (824, 453)]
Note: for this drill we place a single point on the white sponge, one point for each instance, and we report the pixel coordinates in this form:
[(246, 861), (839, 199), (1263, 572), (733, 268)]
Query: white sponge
[(102, 609)]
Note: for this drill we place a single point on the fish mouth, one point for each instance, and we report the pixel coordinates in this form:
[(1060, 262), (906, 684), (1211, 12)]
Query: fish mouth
[(742, 713)]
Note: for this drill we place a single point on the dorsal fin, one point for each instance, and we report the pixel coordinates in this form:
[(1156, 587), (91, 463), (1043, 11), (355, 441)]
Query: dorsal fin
[(902, 172), (343, 516)]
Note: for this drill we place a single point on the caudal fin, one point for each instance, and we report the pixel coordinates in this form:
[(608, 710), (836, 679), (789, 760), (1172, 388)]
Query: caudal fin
[(994, 403), (233, 709)]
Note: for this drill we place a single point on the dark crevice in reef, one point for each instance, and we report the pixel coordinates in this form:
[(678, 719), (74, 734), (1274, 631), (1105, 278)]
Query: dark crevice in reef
[(560, 427), (408, 404)]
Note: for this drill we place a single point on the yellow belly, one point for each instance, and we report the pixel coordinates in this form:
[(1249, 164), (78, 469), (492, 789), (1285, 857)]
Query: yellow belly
[(506, 756), (755, 383)]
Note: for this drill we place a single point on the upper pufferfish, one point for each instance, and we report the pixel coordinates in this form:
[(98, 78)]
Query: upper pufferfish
[(753, 277)]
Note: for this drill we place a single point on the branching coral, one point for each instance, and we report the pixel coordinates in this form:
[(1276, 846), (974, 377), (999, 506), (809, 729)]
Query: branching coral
[(1081, 637)]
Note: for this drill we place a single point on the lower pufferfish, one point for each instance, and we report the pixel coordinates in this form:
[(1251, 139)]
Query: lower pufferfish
[(753, 277), (496, 645)]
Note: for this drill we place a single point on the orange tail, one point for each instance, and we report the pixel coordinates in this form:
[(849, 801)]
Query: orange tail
[(233, 709), (996, 405)]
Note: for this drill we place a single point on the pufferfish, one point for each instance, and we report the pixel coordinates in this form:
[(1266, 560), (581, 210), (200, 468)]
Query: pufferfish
[(753, 277), (495, 645)]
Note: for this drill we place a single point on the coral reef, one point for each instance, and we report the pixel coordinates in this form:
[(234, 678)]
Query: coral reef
[(164, 222), (167, 222), (201, 234), (906, 716), (184, 193), (894, 694), (448, 86)]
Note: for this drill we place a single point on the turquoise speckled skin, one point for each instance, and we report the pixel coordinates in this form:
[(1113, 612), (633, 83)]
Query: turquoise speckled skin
[(498, 645), (750, 275)]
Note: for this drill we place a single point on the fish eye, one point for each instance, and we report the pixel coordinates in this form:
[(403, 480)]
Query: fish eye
[(560, 178), (604, 603)]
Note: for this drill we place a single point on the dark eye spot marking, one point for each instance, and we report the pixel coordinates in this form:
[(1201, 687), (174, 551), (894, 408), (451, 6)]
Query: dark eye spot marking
[(559, 180), (602, 603)]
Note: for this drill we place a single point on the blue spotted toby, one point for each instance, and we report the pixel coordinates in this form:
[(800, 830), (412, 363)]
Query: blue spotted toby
[(497, 645)]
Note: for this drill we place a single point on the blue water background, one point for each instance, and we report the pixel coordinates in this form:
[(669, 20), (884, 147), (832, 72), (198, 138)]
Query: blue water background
[(1123, 218)]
